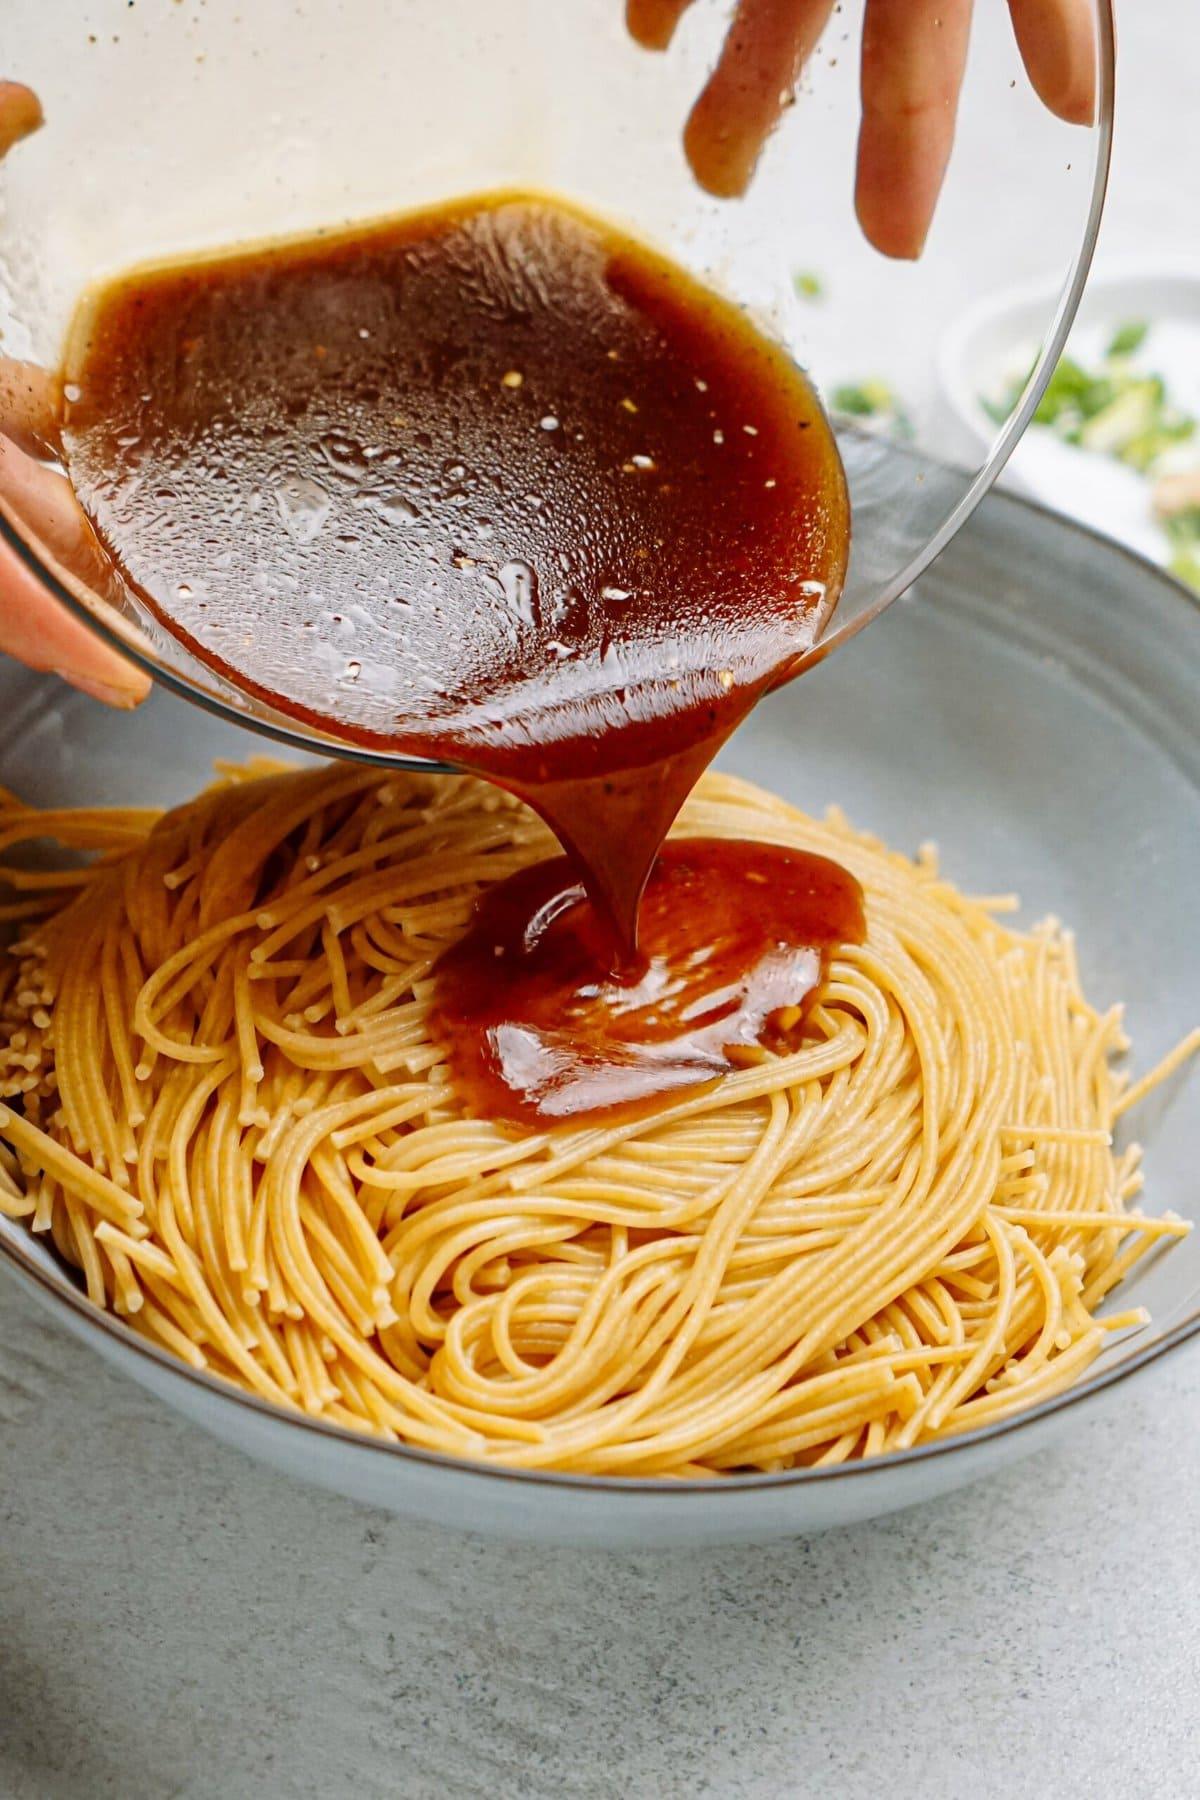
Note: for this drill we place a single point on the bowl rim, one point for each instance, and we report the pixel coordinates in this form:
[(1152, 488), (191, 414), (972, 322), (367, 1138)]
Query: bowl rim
[(14, 1251)]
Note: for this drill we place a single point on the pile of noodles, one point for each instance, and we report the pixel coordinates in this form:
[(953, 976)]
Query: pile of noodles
[(225, 1101)]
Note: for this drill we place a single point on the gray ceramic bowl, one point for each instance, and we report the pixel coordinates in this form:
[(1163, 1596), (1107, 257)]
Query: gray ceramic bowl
[(1035, 707)]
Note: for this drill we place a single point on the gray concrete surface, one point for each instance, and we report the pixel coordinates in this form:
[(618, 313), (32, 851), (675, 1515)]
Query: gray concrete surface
[(176, 1621)]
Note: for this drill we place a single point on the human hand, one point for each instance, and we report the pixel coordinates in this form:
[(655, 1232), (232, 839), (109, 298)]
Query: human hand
[(35, 627), (913, 59)]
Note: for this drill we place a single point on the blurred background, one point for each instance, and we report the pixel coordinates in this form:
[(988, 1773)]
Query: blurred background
[(1117, 442)]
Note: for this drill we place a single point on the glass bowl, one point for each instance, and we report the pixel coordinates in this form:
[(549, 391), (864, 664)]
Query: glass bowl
[(177, 128)]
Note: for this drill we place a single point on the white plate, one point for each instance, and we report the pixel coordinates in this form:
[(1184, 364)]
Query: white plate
[(992, 341), (1036, 708)]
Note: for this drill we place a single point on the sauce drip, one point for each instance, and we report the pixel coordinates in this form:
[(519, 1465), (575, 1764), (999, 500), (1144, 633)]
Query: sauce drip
[(498, 485), (735, 939)]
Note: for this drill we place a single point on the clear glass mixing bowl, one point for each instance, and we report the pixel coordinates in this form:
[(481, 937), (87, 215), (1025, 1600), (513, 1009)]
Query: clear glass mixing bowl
[(177, 127)]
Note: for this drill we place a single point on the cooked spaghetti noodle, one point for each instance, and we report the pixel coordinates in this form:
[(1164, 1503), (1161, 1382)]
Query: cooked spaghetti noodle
[(225, 1101)]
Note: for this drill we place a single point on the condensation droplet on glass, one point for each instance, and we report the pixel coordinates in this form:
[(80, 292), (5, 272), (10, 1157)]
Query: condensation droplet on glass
[(548, 422), (303, 506), (388, 504), (519, 585), (570, 612)]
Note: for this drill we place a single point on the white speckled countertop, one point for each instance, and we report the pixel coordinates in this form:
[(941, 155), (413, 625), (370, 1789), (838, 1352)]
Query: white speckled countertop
[(176, 1621)]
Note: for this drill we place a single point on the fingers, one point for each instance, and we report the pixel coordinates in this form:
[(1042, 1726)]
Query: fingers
[(913, 57), (39, 631), (30, 404), (35, 627), (20, 113), (1057, 41), (651, 23), (768, 44)]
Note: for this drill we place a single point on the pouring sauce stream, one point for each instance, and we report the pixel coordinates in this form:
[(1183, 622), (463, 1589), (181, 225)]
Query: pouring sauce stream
[(497, 485)]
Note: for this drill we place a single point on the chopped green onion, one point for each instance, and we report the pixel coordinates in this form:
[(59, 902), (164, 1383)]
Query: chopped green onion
[(808, 285), (1110, 410), (1183, 537), (872, 399), (1129, 414), (1116, 411), (863, 399), (1127, 338)]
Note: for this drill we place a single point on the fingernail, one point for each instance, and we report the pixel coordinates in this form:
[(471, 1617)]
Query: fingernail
[(126, 697)]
